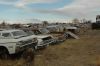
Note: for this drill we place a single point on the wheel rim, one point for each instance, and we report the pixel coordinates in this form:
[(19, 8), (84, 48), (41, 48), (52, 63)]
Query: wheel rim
[(4, 54), (25, 53)]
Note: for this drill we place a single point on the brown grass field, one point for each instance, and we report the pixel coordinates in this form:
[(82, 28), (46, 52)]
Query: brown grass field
[(82, 52)]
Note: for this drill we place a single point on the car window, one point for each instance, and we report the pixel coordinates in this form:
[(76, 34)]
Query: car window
[(44, 31), (29, 32), (19, 33), (6, 34)]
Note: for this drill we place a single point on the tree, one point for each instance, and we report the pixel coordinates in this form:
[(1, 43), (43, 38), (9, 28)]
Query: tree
[(75, 21), (45, 23), (3, 23)]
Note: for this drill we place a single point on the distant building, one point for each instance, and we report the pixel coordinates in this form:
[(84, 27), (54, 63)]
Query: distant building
[(98, 19), (97, 24)]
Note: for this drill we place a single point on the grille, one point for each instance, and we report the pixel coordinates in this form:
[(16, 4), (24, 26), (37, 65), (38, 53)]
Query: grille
[(47, 38), (27, 42)]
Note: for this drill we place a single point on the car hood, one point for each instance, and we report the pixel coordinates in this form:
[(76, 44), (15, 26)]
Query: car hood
[(11, 40), (41, 36), (71, 27)]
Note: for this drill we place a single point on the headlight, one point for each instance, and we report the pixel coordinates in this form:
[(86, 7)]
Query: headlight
[(40, 41), (19, 43), (17, 48), (35, 40)]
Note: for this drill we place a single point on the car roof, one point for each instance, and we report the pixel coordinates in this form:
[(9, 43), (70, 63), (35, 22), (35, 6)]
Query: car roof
[(52, 26)]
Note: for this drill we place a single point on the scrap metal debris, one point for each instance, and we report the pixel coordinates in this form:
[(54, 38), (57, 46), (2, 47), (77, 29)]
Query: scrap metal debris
[(67, 34)]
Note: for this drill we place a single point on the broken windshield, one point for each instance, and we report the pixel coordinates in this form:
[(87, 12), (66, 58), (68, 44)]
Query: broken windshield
[(45, 31), (19, 33)]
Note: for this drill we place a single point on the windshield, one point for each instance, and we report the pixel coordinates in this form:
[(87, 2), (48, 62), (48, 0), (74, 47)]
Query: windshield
[(19, 33), (44, 31), (29, 32)]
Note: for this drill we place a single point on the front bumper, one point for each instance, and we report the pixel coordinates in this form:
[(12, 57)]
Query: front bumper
[(45, 43), (24, 47)]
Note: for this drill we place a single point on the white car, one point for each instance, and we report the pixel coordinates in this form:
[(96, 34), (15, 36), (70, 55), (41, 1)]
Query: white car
[(43, 40), (14, 41)]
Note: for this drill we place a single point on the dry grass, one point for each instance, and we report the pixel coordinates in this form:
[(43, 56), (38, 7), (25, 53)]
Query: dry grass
[(82, 52)]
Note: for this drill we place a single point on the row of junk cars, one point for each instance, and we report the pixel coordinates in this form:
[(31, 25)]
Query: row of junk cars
[(13, 41)]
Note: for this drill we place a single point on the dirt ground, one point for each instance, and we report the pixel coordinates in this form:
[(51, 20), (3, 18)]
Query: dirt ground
[(82, 52)]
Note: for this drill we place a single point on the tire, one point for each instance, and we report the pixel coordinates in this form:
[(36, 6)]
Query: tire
[(4, 53), (30, 52)]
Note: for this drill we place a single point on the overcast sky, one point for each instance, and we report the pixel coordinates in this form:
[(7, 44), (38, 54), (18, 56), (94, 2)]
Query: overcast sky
[(50, 10)]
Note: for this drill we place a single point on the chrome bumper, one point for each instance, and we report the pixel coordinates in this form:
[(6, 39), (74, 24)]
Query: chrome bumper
[(24, 47), (45, 43)]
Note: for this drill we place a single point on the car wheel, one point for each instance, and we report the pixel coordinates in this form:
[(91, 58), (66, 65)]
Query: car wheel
[(28, 53), (4, 53)]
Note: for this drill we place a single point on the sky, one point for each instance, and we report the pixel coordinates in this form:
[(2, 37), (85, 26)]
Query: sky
[(14, 11)]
